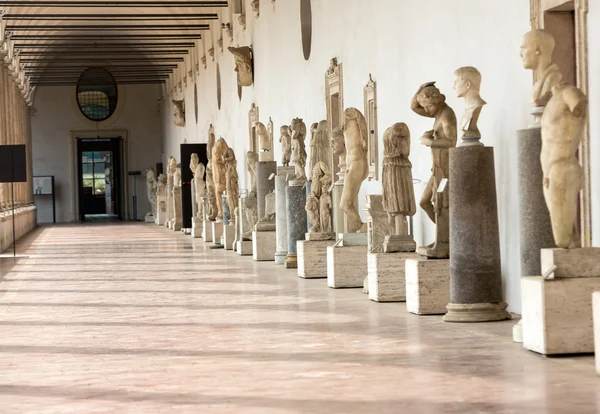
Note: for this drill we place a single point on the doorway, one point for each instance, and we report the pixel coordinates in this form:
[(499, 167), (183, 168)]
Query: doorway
[(100, 178)]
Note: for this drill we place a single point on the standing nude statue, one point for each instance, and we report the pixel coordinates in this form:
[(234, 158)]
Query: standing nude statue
[(357, 170), (200, 188), (286, 145), (563, 123), (467, 82), (210, 184), (431, 103)]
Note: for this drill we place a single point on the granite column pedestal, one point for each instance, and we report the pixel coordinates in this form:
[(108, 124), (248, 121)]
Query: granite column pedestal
[(264, 185), (296, 221), (475, 269), (284, 175)]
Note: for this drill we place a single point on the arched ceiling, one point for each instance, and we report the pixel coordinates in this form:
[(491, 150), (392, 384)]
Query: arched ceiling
[(139, 41)]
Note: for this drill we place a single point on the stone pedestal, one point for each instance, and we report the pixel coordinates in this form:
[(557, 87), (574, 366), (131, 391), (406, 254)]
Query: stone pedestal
[(264, 185), (226, 211), (475, 269), (596, 317), (557, 313), (346, 266), (217, 232), (284, 175), (427, 286), (263, 246), (337, 214), (168, 205), (207, 233), (535, 228), (386, 276), (149, 218), (244, 248), (177, 218), (197, 227), (228, 236), (161, 209), (312, 258), (296, 221)]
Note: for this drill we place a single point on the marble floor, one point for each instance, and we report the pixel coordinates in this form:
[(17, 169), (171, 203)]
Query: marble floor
[(133, 318)]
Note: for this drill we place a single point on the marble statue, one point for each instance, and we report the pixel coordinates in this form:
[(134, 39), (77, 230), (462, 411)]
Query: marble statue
[(243, 65), (232, 180), (318, 202), (264, 139), (250, 206), (320, 149), (298, 132), (536, 52), (210, 184), (467, 82), (563, 124), (286, 145), (194, 161), (219, 173), (179, 112), (357, 169), (428, 101), (270, 208), (151, 187), (177, 176), (398, 199), (338, 147), (200, 188)]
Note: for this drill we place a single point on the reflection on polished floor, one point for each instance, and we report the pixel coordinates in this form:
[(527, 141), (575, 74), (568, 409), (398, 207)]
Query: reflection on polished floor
[(133, 318)]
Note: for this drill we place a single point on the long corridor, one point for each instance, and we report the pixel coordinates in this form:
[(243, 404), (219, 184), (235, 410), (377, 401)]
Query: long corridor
[(133, 318)]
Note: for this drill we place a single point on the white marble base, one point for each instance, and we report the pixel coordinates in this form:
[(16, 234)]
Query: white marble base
[(596, 316), (583, 262), (427, 286), (264, 245), (557, 314), (149, 218), (197, 228), (346, 266), (353, 239), (244, 248), (228, 236), (312, 258), (217, 232), (25, 221), (280, 257), (386, 276), (207, 231)]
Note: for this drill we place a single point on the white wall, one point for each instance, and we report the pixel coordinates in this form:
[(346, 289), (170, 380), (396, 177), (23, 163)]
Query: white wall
[(403, 44), (594, 111), (57, 115)]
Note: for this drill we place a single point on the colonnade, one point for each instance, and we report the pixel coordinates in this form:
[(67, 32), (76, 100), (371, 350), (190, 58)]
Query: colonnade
[(15, 128)]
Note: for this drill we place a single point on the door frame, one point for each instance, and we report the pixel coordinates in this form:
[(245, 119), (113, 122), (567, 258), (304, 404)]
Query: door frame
[(92, 134)]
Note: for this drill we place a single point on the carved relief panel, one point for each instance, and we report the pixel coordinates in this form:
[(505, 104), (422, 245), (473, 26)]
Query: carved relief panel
[(370, 94), (334, 100), (252, 120)]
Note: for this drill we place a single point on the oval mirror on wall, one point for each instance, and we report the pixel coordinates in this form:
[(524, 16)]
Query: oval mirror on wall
[(306, 25), (196, 102), (218, 87)]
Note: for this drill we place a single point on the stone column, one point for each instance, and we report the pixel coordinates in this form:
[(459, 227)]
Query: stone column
[(475, 269), (3, 129), (264, 186), (284, 175), (296, 220)]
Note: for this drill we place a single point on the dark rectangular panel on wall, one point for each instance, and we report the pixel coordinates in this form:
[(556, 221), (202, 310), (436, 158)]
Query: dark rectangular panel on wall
[(13, 164), (186, 179)]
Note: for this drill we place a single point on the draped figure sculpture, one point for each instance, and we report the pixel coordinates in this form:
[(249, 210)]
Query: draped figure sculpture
[(286, 145), (264, 142), (320, 149), (210, 183), (318, 202), (428, 101), (298, 132), (200, 188), (151, 187), (219, 171), (563, 124), (250, 207), (398, 191), (357, 170), (232, 179)]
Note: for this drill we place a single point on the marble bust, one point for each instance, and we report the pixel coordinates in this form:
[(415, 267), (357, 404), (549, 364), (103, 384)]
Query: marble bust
[(357, 169), (467, 82), (286, 145), (563, 124), (536, 52), (179, 112), (429, 102)]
